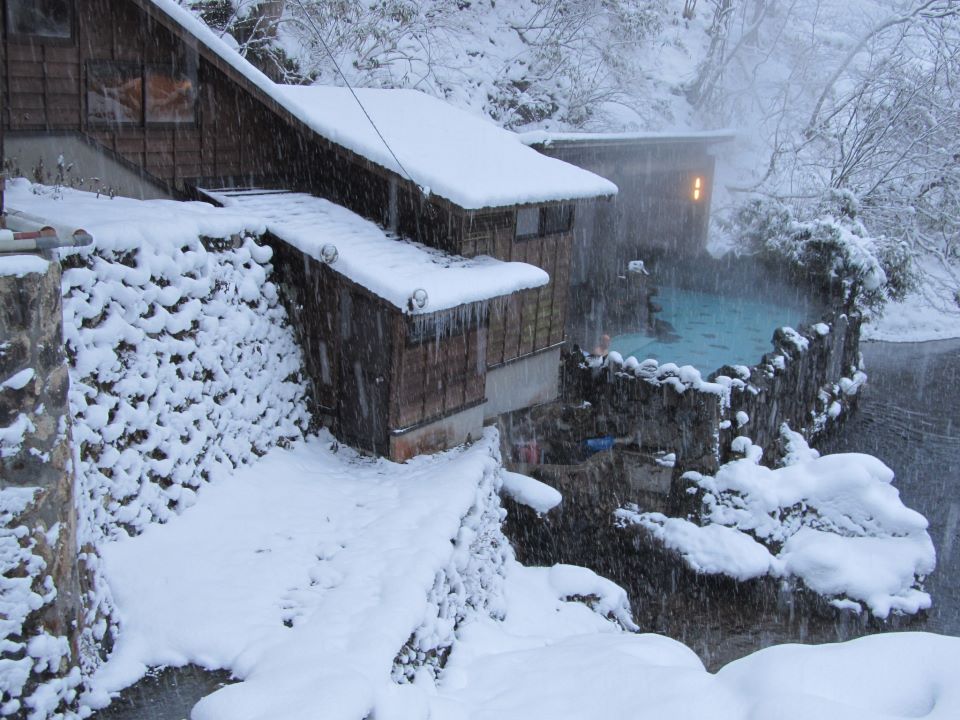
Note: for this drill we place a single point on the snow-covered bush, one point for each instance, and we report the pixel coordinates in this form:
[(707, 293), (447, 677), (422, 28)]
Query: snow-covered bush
[(835, 522), (181, 366), (852, 97), (831, 247)]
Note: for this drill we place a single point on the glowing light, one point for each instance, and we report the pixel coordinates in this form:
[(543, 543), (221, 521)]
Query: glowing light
[(697, 187)]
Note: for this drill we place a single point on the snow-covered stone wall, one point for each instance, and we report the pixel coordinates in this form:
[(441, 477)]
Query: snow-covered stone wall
[(807, 380), (469, 586), (182, 366), (40, 591), (819, 521)]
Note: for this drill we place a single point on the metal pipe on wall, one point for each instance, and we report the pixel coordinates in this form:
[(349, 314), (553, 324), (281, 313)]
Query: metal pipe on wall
[(44, 239)]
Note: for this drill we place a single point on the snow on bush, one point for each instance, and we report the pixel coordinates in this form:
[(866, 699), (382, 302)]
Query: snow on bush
[(835, 522), (181, 366), (522, 62), (831, 246)]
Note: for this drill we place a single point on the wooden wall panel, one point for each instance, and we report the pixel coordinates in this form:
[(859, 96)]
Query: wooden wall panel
[(534, 319), (476, 370), (437, 377), (433, 377), (410, 385), (311, 293), (235, 139), (455, 376), (495, 333)]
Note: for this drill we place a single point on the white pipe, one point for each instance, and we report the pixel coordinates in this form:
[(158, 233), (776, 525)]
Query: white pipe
[(9, 243), (39, 234), (20, 221)]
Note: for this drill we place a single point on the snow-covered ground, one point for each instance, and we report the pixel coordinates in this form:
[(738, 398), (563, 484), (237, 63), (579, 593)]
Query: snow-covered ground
[(930, 313), (562, 665), (306, 573)]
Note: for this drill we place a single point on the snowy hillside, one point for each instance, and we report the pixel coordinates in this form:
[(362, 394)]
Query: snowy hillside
[(524, 63), (829, 97)]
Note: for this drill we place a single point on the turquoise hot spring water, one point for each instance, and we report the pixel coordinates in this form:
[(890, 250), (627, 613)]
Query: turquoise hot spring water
[(711, 330)]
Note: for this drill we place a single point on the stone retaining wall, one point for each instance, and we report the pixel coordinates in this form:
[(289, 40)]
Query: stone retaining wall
[(809, 378), (41, 593)]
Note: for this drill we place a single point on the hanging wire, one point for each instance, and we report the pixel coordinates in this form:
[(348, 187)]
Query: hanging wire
[(346, 82)]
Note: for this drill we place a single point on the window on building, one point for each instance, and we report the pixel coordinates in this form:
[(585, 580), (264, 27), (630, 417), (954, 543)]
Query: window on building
[(114, 94), (130, 94), (697, 188), (40, 18), (557, 219), (528, 222), (171, 95), (535, 222)]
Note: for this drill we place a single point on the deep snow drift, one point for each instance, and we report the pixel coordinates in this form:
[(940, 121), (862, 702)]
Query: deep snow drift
[(330, 584), (306, 574), (931, 312)]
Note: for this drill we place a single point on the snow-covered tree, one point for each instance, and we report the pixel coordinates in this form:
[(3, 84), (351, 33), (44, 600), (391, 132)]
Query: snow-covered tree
[(857, 97), (524, 62)]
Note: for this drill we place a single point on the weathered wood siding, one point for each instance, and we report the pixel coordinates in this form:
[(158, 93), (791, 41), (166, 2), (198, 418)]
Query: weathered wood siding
[(367, 370), (240, 137), (528, 321), (370, 371), (438, 374), (348, 336), (311, 293)]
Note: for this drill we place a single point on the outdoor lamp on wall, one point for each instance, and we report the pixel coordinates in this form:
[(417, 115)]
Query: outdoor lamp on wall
[(418, 300), (697, 187), (329, 254)]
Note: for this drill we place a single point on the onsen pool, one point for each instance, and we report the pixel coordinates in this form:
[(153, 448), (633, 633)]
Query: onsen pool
[(710, 330)]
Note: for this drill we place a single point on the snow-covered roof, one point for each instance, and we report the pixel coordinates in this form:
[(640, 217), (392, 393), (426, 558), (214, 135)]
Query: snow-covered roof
[(464, 158), (122, 224), (707, 137), (389, 267)]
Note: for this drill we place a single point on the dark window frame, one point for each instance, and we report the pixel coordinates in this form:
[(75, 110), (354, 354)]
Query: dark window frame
[(544, 227), (136, 70), (565, 213), (53, 40), (528, 235), (190, 68)]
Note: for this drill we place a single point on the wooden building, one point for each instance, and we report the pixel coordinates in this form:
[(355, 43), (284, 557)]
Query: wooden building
[(140, 98), (662, 209), (396, 335), (666, 186)]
